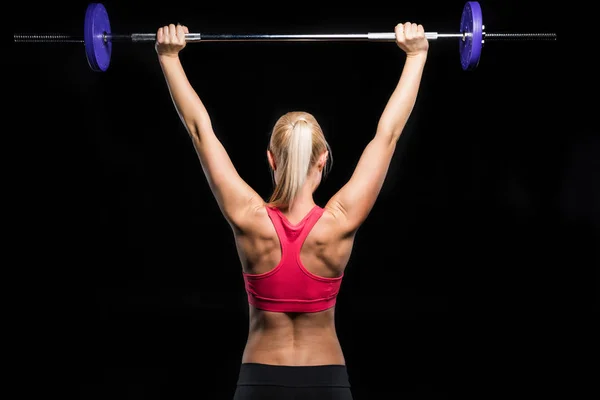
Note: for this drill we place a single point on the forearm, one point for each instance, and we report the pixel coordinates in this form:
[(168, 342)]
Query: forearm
[(401, 102), (190, 108)]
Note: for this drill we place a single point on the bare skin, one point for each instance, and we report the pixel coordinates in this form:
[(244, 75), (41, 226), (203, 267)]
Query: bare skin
[(294, 338)]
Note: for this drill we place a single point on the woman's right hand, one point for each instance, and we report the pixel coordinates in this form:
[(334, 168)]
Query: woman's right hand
[(410, 37), (170, 39)]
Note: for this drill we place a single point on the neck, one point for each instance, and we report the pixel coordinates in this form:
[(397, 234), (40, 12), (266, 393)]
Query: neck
[(304, 201)]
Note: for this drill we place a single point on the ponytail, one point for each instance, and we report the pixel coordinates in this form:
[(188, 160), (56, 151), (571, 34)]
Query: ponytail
[(294, 161)]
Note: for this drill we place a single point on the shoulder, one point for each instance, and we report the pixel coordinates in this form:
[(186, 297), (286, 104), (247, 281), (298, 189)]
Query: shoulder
[(336, 220), (253, 218), (332, 222)]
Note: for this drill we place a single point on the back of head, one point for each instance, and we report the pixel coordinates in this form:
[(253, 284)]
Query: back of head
[(297, 142)]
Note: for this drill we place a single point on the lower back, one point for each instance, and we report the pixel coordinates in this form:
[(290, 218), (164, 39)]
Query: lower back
[(293, 339)]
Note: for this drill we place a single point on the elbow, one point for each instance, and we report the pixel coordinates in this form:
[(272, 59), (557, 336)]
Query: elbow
[(393, 127), (191, 128), (196, 128), (390, 133), (194, 136)]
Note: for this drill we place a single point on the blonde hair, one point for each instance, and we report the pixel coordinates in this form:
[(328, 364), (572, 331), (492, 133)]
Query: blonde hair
[(297, 141)]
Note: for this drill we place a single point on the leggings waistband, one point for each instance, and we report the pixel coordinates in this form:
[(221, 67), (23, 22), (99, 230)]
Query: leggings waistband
[(293, 376)]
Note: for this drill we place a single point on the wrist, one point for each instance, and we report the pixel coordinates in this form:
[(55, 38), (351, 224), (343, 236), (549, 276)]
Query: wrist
[(168, 57), (420, 56)]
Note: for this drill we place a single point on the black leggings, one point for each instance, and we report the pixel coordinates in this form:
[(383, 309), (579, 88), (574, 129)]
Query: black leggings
[(282, 382)]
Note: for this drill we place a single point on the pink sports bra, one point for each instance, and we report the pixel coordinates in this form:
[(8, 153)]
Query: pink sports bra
[(289, 287)]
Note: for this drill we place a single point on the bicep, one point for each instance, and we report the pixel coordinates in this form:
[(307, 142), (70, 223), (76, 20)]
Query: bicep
[(356, 198), (232, 193)]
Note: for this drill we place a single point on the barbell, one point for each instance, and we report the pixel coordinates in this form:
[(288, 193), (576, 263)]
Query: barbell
[(98, 37)]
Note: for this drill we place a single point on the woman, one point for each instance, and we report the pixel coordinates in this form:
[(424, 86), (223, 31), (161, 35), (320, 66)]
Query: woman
[(293, 252)]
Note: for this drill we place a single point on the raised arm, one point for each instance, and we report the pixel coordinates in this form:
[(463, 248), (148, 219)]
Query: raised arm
[(353, 202), (233, 195)]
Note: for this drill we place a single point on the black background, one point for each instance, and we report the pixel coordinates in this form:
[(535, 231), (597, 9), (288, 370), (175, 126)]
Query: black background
[(472, 274)]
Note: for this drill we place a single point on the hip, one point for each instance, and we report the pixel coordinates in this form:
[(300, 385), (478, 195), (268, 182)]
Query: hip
[(314, 382)]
